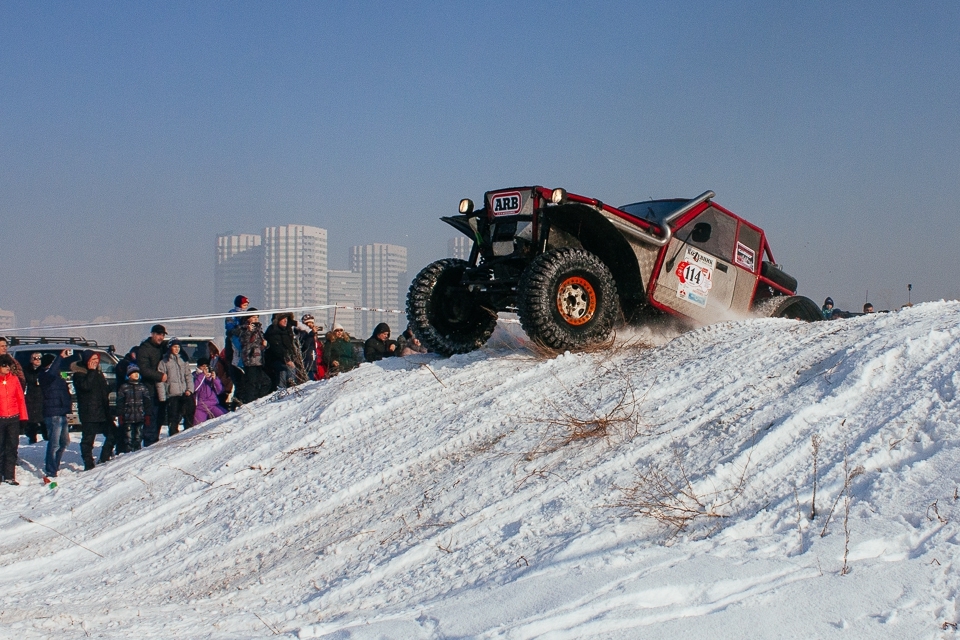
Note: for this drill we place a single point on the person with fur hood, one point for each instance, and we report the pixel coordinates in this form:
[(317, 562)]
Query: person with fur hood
[(338, 355), (311, 348), (93, 405), (177, 388), (13, 411)]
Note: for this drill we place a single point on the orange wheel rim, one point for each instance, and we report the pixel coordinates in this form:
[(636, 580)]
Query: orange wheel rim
[(576, 301)]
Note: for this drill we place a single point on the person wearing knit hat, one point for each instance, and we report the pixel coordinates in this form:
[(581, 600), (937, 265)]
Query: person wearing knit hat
[(134, 406), (827, 309), (338, 354), (231, 339)]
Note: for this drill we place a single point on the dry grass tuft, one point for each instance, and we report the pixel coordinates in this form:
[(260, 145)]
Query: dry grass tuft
[(667, 495), (599, 420)]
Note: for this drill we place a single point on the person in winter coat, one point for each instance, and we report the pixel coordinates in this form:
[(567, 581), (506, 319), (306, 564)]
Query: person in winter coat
[(134, 402), (93, 405), (34, 399), (13, 411), (149, 354), (379, 345), (311, 348), (411, 345), (827, 309), (338, 353), (219, 367), (231, 338), (56, 405), (278, 357), (177, 388), (254, 383), (207, 388)]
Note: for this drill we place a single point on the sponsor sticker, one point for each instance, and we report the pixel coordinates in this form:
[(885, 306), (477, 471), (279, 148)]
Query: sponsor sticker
[(506, 204), (746, 257), (695, 273)]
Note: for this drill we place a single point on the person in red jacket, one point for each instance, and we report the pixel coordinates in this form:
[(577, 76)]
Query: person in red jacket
[(13, 410)]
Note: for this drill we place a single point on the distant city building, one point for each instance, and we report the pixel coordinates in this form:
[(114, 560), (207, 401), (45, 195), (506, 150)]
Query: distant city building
[(239, 270), (459, 247), (344, 288), (294, 266), (8, 320), (383, 277)]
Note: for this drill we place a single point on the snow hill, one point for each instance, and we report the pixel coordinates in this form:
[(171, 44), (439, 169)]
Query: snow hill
[(650, 490)]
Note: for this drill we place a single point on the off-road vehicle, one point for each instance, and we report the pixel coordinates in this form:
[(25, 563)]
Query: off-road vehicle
[(573, 268)]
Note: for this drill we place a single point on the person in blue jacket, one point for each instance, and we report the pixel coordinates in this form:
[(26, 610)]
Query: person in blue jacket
[(56, 406)]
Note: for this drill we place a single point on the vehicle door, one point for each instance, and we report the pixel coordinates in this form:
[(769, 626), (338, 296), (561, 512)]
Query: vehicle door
[(697, 277)]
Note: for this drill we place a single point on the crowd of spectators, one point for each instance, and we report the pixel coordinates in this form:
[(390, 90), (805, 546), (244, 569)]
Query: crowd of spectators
[(156, 387)]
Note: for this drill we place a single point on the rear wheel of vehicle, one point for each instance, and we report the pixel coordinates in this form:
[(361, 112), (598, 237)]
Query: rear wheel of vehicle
[(795, 307), (444, 315), (567, 299)]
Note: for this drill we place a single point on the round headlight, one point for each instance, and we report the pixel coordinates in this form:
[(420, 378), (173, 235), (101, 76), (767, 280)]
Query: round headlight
[(466, 206), (559, 196)]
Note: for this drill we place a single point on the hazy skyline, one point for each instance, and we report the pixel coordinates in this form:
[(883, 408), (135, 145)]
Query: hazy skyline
[(131, 135)]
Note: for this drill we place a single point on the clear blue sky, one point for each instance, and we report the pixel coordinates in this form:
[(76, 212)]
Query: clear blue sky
[(131, 134)]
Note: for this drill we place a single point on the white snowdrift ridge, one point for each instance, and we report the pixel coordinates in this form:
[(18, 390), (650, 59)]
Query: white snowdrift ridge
[(442, 498)]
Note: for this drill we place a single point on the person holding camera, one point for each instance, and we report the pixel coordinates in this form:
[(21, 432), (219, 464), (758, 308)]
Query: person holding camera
[(207, 388)]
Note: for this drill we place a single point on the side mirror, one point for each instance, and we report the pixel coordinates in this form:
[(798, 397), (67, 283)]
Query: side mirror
[(701, 232)]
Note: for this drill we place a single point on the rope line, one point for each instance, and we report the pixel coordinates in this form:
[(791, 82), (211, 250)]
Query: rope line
[(213, 316)]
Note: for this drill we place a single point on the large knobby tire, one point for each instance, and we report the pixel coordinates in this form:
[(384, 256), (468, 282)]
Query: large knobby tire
[(446, 317), (567, 299), (795, 307)]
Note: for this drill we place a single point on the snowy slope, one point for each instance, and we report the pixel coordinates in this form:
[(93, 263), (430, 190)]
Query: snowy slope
[(502, 494)]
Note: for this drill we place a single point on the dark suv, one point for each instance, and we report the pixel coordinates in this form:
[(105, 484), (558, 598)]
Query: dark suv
[(21, 347)]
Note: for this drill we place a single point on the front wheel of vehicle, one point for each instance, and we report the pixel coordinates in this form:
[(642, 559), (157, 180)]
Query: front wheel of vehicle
[(443, 314), (567, 299)]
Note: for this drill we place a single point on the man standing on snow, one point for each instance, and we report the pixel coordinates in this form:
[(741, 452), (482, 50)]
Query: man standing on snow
[(149, 354)]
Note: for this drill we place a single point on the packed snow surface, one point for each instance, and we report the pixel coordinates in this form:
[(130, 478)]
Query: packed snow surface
[(662, 488)]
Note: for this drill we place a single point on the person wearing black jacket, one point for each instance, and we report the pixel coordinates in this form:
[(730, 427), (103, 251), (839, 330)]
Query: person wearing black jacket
[(93, 405), (278, 356), (34, 399), (149, 354), (379, 345)]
